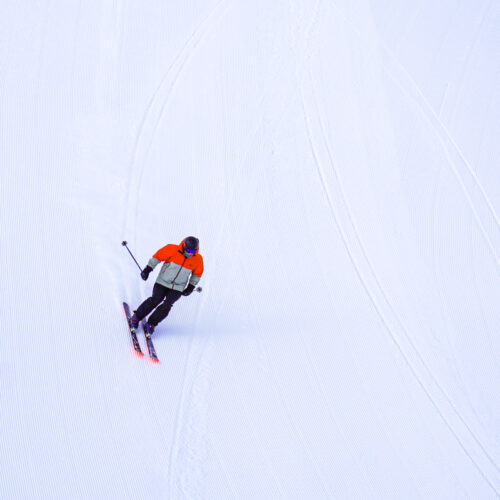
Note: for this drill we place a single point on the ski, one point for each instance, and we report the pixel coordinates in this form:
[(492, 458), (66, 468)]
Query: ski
[(151, 347), (133, 333)]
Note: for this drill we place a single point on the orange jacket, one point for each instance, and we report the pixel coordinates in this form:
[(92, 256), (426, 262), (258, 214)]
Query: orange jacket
[(177, 271)]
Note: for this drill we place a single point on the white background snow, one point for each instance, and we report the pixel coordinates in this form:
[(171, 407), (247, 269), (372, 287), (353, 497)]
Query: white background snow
[(339, 161)]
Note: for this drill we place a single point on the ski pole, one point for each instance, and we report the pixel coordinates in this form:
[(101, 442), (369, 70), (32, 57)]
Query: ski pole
[(124, 243)]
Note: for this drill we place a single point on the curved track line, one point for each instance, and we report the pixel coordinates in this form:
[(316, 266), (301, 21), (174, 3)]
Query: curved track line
[(441, 132), (434, 122), (198, 359), (430, 113), (155, 110), (266, 193), (380, 291), (145, 137)]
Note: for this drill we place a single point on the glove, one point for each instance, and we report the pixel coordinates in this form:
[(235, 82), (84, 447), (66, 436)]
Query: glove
[(145, 272), (188, 290)]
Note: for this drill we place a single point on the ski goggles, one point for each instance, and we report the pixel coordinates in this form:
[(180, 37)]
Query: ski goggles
[(189, 250)]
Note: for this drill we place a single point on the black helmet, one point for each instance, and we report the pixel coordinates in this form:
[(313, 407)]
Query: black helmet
[(191, 245)]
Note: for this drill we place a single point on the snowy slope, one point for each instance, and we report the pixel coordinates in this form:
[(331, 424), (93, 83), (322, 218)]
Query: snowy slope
[(339, 163)]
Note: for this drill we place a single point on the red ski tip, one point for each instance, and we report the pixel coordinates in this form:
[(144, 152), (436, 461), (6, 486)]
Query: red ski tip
[(155, 361), (137, 354)]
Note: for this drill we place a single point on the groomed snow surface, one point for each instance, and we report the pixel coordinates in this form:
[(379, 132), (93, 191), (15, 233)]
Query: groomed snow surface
[(339, 162)]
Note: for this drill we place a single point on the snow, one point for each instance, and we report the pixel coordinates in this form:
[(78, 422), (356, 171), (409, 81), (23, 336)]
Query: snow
[(338, 162)]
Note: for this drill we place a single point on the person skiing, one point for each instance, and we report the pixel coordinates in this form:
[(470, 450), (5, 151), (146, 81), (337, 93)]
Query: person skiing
[(179, 275)]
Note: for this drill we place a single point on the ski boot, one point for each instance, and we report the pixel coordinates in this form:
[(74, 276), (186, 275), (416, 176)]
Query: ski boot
[(149, 329), (134, 322)]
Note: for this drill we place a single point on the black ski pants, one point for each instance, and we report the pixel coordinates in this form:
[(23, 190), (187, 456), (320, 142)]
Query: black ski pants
[(162, 300)]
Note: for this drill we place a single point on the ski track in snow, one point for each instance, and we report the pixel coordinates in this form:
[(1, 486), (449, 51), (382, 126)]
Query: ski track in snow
[(393, 323), (191, 398), (190, 413), (447, 411), (184, 470), (316, 382), (457, 162), (155, 111), (279, 394)]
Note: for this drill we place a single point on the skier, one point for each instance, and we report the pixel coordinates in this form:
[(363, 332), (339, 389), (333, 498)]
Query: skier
[(180, 273)]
